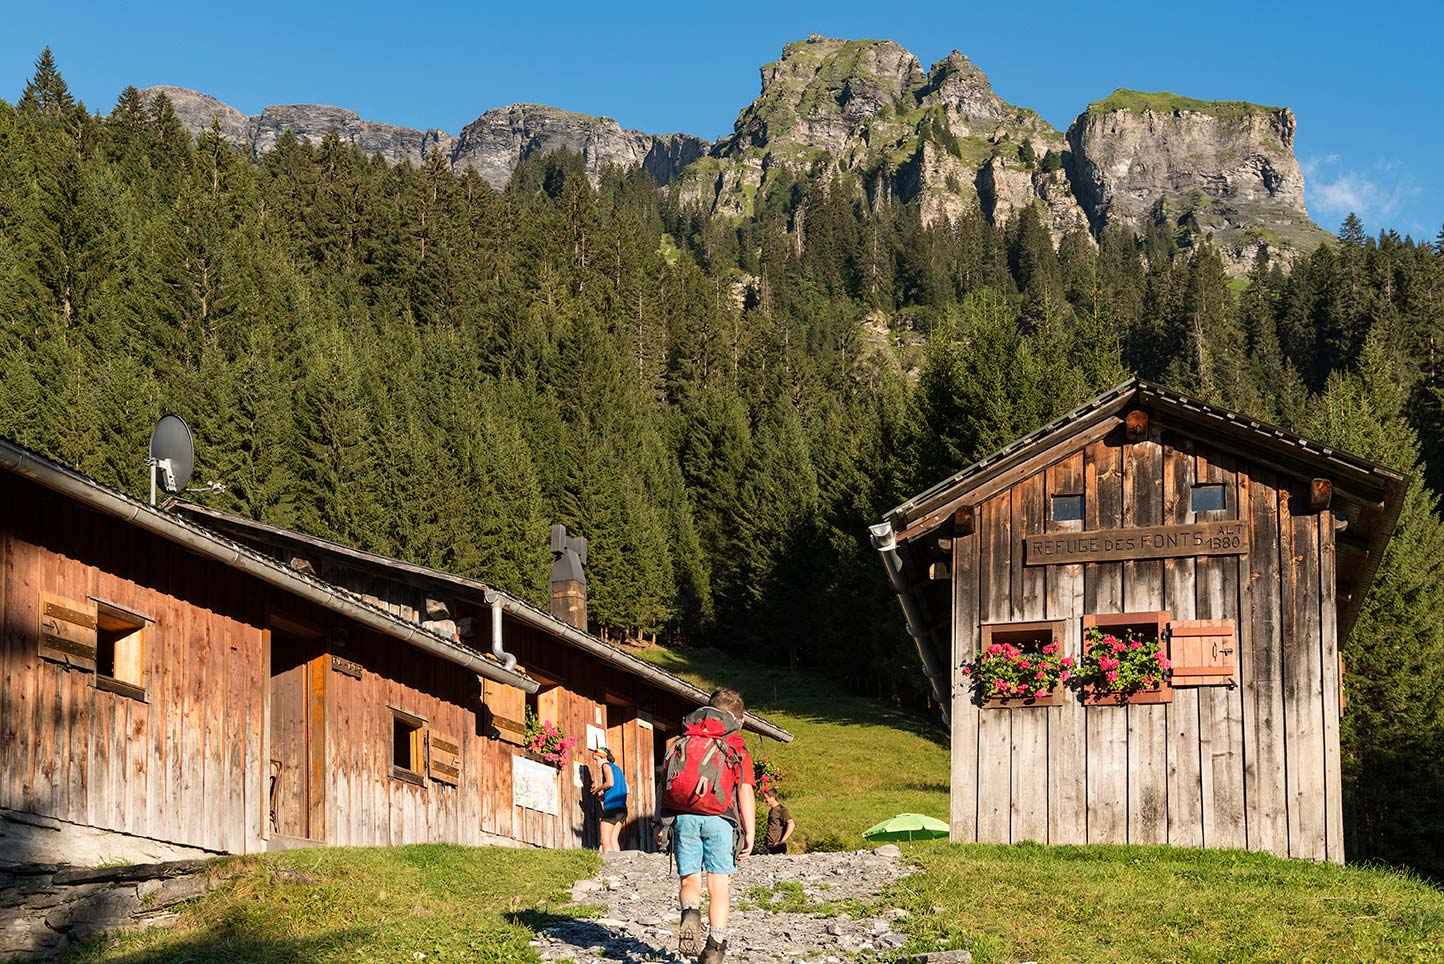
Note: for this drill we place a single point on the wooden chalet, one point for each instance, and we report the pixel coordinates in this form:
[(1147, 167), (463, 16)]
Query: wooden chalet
[(199, 681), (594, 690), (1243, 549)]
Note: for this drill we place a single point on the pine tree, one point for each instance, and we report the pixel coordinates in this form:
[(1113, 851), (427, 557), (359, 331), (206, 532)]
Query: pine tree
[(1392, 736)]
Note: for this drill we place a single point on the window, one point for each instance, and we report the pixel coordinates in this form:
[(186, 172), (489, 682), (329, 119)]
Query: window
[(1208, 498), (1029, 637), (1067, 508), (408, 746), (119, 651)]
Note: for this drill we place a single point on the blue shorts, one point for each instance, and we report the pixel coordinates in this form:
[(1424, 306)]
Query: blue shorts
[(700, 842)]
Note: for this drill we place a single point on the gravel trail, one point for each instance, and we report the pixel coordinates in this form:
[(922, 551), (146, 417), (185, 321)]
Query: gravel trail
[(811, 894)]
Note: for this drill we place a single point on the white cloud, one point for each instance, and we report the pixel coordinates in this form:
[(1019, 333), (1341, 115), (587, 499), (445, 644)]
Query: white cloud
[(1377, 194)]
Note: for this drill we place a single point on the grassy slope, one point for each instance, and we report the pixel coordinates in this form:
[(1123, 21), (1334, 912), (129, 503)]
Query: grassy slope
[(368, 904), (1162, 904), (854, 762)]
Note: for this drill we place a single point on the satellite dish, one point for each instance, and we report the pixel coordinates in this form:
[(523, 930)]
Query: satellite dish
[(172, 456)]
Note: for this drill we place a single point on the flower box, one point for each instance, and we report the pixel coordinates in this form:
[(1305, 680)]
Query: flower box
[(1155, 694), (1054, 698), (1013, 656), (1125, 659)]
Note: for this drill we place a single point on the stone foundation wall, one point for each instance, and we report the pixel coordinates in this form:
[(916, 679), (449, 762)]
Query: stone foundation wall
[(46, 907), (29, 838)]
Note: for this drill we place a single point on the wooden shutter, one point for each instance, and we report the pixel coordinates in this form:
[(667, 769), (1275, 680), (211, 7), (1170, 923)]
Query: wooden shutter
[(507, 706), (68, 631), (443, 759), (1204, 652)]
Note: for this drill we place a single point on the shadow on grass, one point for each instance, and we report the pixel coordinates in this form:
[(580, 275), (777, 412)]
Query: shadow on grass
[(580, 935), (219, 946)]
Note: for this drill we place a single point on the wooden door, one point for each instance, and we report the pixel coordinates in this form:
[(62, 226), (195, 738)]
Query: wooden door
[(623, 746), (297, 707)]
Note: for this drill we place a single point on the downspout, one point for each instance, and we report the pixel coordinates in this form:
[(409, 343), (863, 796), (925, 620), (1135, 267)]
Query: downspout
[(495, 600), (884, 540)]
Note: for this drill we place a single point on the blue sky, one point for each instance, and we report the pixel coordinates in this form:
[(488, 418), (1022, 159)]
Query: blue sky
[(1366, 88)]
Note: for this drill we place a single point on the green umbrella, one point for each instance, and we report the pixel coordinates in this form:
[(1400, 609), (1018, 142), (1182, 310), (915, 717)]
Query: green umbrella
[(907, 826)]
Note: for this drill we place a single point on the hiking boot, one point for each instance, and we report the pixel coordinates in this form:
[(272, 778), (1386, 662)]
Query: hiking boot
[(714, 952), (689, 933)]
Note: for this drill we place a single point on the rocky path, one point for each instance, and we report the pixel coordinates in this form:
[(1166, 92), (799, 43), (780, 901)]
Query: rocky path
[(784, 909)]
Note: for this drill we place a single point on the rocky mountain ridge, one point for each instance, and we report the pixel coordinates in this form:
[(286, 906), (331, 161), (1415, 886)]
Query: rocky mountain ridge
[(492, 145), (867, 114)]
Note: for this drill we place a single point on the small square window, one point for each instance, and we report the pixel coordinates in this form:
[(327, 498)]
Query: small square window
[(408, 746), (1209, 498), (1067, 508), (120, 651)]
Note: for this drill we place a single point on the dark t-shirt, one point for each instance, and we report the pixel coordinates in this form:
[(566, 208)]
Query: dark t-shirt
[(777, 818)]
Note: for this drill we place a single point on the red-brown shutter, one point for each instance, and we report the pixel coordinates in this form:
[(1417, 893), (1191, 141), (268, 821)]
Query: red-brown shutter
[(443, 759), (1204, 652), (68, 631)]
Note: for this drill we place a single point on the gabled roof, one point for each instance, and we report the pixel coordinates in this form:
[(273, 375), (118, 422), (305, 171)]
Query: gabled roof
[(520, 608), (1366, 494), (206, 542)]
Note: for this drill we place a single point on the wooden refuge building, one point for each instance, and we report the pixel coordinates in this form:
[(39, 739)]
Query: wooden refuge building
[(1243, 550), (179, 681)]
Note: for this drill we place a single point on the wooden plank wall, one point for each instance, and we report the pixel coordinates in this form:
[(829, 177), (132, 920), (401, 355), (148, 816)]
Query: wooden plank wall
[(190, 764), (1254, 766), (183, 766)]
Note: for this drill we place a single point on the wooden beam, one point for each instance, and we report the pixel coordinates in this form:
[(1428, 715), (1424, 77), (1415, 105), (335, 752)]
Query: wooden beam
[(963, 521), (1321, 493)]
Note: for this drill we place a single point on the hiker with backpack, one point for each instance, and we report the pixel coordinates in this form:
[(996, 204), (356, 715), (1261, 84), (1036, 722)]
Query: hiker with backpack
[(610, 789), (708, 797)]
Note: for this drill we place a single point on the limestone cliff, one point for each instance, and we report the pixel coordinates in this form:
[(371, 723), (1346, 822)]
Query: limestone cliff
[(867, 115), (492, 145), (1220, 168), (865, 108)]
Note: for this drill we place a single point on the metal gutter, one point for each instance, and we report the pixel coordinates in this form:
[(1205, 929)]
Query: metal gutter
[(884, 540), (67, 482), (625, 661)]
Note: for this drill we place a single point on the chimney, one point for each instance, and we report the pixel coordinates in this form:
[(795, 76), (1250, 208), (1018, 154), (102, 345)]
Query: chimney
[(569, 583)]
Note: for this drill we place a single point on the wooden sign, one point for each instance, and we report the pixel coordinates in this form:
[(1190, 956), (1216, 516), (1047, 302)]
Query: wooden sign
[(1226, 538)]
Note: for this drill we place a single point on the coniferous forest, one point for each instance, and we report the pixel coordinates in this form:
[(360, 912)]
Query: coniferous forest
[(408, 361)]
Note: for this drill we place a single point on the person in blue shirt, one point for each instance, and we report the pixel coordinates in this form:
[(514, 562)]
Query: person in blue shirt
[(611, 791)]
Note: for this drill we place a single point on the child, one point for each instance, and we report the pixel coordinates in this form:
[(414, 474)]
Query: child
[(709, 786), (779, 823)]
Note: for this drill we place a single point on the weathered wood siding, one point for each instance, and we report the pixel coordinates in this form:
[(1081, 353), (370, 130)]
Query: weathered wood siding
[(1253, 766), (184, 766), (191, 763)]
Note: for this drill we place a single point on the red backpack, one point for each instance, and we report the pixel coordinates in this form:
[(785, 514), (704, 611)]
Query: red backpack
[(704, 766)]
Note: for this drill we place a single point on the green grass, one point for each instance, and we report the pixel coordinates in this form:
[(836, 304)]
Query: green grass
[(1160, 904), (854, 761), (1165, 102), (475, 904)]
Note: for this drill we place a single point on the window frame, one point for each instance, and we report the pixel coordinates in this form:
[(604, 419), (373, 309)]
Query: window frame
[(1029, 636), (416, 746), (1079, 519), (1193, 491), (127, 641)]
